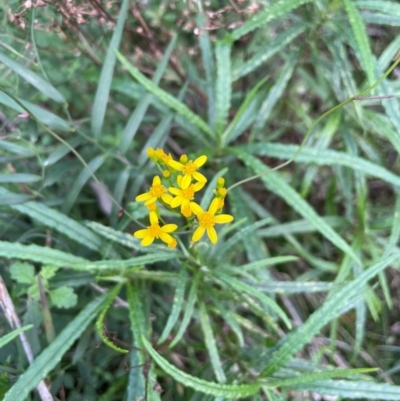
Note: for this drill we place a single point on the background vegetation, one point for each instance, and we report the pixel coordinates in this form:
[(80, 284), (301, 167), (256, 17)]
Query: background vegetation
[(300, 289)]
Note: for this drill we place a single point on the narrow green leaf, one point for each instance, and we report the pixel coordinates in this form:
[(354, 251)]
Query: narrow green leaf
[(19, 177), (361, 36), (227, 134), (137, 262), (276, 91), (35, 80), (290, 287), (15, 333), (166, 98), (278, 185), (276, 46), (13, 199), (80, 181), (240, 287), (58, 221), (353, 389), (381, 19), (40, 254), (192, 298), (334, 305), (241, 235), (313, 377), (275, 10), (159, 135), (62, 151), (229, 391), (275, 260), (211, 343), (107, 72), (52, 355), (323, 157), (176, 305), (223, 85), (388, 7), (16, 149), (208, 65), (140, 111), (44, 116)]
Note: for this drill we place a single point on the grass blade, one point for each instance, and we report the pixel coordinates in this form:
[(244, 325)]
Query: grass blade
[(107, 72), (137, 116), (275, 10), (228, 391), (176, 305), (4, 340), (81, 180), (166, 98), (211, 343), (35, 80), (361, 37), (223, 85), (278, 185)]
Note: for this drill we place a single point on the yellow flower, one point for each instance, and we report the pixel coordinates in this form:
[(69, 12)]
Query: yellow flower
[(166, 174), (183, 196), (157, 190), (189, 170), (149, 234), (207, 220)]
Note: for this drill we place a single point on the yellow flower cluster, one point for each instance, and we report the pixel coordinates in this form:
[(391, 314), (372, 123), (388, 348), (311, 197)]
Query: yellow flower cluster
[(179, 183)]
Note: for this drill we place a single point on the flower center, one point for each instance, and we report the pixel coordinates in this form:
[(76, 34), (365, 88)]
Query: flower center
[(157, 190), (188, 193), (190, 168), (154, 230), (206, 220)]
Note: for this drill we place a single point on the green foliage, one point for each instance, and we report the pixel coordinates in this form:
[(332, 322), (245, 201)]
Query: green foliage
[(312, 256)]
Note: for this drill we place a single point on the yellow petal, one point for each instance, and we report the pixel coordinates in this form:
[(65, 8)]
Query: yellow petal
[(147, 240), (198, 234), (186, 180), (151, 200), (168, 228), (198, 186), (156, 180), (199, 177), (214, 206), (196, 209), (175, 191), (165, 238), (212, 234), (200, 161), (179, 180), (223, 218), (176, 202), (140, 233), (143, 197), (176, 165), (153, 218), (167, 198)]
